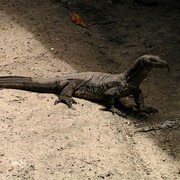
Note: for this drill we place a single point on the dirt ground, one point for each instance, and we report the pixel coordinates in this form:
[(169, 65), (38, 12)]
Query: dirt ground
[(42, 141)]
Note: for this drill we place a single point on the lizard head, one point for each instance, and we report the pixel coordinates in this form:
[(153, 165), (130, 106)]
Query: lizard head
[(142, 66), (154, 61)]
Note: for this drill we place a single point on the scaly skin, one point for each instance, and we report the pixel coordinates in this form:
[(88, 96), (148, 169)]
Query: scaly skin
[(94, 86)]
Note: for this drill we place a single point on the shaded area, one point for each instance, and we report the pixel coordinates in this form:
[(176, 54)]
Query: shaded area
[(56, 31), (113, 47)]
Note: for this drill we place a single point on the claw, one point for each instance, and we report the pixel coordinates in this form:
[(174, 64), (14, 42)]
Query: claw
[(73, 101), (118, 112), (148, 110), (67, 100), (56, 102)]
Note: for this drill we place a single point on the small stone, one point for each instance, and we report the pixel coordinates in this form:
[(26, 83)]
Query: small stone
[(2, 154)]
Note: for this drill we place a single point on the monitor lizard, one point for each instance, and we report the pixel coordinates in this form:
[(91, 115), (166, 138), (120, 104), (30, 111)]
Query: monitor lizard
[(93, 86)]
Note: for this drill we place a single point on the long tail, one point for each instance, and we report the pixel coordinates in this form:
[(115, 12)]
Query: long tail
[(28, 84), (14, 78), (15, 82)]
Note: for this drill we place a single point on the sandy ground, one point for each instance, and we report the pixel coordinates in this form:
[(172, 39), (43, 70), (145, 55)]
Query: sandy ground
[(42, 141)]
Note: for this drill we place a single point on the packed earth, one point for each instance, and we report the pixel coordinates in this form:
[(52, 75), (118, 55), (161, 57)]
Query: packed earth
[(40, 140)]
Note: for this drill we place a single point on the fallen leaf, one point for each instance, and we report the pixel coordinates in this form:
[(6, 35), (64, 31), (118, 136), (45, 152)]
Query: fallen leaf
[(76, 19)]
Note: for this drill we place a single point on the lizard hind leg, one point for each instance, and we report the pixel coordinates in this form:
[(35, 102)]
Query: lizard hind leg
[(66, 94)]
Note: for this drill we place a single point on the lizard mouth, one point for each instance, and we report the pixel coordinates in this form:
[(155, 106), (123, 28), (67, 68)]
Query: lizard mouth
[(167, 66), (163, 64)]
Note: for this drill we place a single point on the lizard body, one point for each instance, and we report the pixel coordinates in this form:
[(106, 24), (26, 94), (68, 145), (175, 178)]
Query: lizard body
[(95, 86)]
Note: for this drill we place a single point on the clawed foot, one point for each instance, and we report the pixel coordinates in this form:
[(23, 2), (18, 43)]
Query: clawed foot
[(116, 111), (67, 100), (148, 110)]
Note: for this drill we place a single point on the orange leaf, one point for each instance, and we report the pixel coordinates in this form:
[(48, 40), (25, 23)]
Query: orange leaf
[(76, 19)]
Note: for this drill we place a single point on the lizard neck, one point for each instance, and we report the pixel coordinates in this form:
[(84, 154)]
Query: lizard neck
[(137, 73)]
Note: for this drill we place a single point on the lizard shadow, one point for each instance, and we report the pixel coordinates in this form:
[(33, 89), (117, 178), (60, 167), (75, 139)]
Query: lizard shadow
[(129, 109)]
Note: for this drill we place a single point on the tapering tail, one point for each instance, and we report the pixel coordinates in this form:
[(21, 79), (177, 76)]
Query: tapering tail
[(14, 78), (28, 84), (15, 82)]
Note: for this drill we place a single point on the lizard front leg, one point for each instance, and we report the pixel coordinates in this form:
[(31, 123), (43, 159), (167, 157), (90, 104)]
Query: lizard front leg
[(139, 100), (66, 94), (109, 97)]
